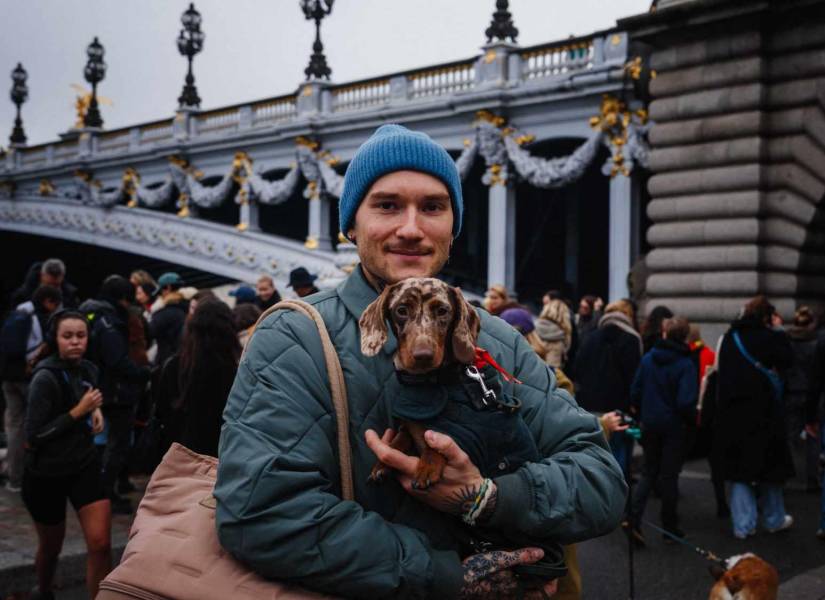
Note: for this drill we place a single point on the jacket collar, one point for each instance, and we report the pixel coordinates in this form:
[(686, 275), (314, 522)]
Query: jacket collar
[(356, 293)]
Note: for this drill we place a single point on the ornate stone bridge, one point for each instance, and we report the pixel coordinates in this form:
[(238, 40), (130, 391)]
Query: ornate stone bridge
[(252, 187)]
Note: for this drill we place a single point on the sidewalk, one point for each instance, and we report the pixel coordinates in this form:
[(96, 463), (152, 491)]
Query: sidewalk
[(18, 543), (809, 585)]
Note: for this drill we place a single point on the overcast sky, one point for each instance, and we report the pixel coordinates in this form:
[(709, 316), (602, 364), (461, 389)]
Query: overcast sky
[(254, 48)]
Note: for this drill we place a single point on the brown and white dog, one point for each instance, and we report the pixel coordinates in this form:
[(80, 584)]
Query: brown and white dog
[(435, 326), (747, 577)]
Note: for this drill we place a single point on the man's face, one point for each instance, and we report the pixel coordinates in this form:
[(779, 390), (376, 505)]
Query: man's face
[(265, 289), (584, 308), (52, 280), (403, 227)]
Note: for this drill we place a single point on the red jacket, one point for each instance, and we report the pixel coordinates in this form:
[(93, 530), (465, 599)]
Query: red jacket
[(706, 357)]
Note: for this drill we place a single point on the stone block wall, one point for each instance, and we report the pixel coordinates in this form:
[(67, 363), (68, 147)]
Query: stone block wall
[(738, 160)]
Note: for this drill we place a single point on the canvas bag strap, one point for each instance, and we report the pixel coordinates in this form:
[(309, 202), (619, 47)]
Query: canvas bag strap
[(337, 386)]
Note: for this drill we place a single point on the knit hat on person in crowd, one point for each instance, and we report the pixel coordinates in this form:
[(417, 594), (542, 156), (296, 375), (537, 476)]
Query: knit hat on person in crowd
[(170, 278), (520, 319), (300, 277), (395, 148), (243, 294)]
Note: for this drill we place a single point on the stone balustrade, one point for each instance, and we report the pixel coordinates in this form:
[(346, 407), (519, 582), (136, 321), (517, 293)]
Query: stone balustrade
[(533, 65)]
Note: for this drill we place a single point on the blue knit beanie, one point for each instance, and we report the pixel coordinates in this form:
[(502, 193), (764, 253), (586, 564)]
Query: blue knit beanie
[(395, 148)]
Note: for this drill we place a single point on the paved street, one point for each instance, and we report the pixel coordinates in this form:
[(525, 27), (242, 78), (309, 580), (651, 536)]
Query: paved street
[(662, 571), (665, 572)]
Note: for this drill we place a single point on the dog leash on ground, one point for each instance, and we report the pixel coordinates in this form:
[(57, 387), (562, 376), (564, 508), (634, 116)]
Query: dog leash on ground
[(701, 551)]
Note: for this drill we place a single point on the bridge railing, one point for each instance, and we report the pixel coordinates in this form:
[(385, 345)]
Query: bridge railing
[(531, 66)]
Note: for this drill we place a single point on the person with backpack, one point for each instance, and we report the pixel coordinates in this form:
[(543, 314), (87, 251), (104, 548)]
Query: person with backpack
[(21, 341), (61, 462), (120, 376), (663, 395), (750, 432)]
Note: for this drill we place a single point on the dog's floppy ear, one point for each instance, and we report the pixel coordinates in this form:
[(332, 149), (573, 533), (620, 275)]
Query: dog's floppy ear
[(465, 331), (373, 324), (716, 570)]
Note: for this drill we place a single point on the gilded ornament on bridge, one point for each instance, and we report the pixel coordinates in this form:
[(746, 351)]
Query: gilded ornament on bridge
[(81, 104), (46, 188)]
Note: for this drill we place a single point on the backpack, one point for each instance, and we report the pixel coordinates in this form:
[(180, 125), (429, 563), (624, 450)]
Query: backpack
[(14, 339)]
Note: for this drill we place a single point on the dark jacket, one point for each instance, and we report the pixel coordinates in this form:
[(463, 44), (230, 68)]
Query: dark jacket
[(816, 378), (605, 366), (749, 434), (798, 377), (109, 350), (32, 282), (194, 421), (56, 442), (166, 326), (279, 506), (666, 388), (264, 304)]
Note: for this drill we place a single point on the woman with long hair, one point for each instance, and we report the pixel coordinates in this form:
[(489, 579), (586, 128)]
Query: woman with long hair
[(62, 464), (195, 382), (556, 332), (652, 327)]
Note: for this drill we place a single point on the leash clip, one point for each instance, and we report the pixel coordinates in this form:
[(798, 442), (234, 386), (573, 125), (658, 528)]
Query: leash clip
[(488, 396)]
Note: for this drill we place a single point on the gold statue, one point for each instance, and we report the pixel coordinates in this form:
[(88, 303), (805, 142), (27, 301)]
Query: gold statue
[(82, 101)]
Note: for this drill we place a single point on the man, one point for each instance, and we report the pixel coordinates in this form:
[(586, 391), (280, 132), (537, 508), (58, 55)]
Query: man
[(664, 394), (168, 316), (119, 377), (51, 272), (302, 282), (21, 344), (243, 295), (278, 492), (267, 295)]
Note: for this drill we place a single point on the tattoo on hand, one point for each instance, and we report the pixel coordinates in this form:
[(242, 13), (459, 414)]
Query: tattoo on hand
[(487, 575), (461, 501)]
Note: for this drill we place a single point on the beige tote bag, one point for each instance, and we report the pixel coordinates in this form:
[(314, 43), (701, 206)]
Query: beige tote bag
[(173, 551)]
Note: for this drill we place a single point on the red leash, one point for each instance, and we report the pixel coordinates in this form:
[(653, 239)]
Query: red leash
[(484, 358)]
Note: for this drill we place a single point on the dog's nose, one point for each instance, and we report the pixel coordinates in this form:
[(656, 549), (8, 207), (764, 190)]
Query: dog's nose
[(423, 354)]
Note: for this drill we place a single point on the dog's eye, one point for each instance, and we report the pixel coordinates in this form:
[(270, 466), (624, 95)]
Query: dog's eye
[(442, 311), (402, 311)]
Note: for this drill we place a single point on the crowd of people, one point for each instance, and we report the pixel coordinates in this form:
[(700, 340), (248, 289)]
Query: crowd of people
[(754, 405), (84, 381)]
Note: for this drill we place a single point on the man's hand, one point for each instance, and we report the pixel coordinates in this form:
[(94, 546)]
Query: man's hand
[(490, 575), (97, 421), (460, 481), (613, 422)]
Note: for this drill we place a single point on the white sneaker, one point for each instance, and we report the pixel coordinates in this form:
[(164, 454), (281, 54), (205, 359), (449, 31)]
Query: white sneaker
[(744, 536), (787, 523), (12, 488)]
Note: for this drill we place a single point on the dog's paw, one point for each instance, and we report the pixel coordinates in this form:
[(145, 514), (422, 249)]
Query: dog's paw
[(427, 475), (378, 474)]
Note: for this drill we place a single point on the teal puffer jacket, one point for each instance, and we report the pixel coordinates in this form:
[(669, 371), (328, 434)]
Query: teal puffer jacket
[(278, 490)]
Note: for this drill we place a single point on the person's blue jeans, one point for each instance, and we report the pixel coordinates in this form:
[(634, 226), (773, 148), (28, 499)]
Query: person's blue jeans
[(621, 445), (743, 506)]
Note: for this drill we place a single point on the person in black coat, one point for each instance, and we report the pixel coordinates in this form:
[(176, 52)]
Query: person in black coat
[(604, 369), (664, 395), (749, 432), (804, 447), (51, 272), (168, 316), (120, 376), (195, 382), (62, 464)]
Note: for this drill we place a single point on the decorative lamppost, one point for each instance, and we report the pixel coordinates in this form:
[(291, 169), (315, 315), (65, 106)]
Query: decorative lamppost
[(94, 73), (502, 26), (190, 42), (315, 10), (19, 94)]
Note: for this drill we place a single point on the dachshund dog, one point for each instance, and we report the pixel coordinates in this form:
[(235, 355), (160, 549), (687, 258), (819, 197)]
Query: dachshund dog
[(444, 382), (434, 326), (747, 577)]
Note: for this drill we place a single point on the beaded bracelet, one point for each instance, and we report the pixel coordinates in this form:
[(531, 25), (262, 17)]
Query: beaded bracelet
[(480, 502)]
